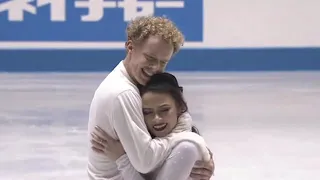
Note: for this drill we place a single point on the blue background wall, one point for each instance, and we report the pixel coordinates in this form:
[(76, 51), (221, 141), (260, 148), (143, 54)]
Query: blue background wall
[(186, 60), (241, 36)]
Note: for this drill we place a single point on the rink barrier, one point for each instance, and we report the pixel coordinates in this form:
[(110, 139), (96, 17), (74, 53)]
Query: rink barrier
[(263, 59)]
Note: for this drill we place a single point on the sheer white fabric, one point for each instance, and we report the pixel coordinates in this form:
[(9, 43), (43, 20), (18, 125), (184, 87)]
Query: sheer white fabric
[(178, 165)]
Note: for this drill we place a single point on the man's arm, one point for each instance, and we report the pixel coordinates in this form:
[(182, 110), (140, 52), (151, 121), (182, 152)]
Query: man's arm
[(184, 123), (145, 153), (127, 170)]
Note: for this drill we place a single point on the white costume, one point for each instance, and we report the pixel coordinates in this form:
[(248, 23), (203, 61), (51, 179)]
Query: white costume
[(116, 107)]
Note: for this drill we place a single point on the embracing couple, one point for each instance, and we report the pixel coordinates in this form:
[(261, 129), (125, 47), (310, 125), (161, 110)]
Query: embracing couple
[(139, 125)]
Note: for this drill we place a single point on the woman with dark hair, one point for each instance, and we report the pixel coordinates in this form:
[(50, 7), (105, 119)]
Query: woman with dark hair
[(163, 86), (163, 103)]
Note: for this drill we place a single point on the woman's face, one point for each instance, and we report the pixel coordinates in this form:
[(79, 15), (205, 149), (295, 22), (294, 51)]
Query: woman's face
[(160, 113)]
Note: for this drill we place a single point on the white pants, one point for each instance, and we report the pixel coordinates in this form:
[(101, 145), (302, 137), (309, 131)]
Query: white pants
[(179, 164)]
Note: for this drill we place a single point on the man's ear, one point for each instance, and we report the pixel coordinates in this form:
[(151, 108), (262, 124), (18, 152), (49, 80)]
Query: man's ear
[(129, 46)]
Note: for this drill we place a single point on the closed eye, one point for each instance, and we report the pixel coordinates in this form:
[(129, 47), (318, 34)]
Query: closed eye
[(163, 63), (165, 110), (146, 112)]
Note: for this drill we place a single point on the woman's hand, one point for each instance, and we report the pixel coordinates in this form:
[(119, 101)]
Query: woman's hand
[(102, 143)]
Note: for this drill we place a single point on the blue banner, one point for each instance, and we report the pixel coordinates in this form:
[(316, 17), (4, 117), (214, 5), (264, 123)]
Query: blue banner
[(91, 20)]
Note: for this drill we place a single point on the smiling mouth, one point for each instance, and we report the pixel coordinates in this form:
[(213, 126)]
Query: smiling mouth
[(160, 127), (146, 74)]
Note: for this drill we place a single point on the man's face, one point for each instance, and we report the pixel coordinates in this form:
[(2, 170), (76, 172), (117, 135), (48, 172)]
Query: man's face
[(148, 58)]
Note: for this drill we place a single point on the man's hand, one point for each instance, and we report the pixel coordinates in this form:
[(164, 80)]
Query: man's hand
[(203, 170), (103, 143)]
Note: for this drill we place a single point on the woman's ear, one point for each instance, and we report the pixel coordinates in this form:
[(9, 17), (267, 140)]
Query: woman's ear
[(181, 89), (181, 109)]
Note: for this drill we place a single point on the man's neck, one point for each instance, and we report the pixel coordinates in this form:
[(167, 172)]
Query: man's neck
[(132, 79)]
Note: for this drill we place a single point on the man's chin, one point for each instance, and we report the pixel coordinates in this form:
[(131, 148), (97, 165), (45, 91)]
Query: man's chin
[(143, 81), (139, 81)]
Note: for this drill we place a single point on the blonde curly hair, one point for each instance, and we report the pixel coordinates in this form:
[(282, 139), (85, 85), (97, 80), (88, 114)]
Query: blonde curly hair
[(140, 28)]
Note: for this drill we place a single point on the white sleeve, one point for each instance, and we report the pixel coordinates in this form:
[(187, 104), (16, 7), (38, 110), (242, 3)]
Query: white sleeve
[(127, 170), (182, 132), (179, 164), (184, 123), (145, 153)]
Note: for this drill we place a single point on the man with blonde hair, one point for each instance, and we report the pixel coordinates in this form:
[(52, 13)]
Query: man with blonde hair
[(116, 106)]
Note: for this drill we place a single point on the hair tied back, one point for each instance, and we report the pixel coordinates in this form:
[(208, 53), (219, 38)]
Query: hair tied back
[(164, 78)]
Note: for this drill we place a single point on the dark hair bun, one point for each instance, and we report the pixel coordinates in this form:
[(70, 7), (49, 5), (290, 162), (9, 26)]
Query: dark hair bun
[(163, 78)]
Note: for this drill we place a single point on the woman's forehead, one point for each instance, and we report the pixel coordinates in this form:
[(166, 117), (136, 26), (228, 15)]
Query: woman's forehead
[(157, 99)]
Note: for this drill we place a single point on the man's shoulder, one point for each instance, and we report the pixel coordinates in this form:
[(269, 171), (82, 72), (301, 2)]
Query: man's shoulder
[(115, 85)]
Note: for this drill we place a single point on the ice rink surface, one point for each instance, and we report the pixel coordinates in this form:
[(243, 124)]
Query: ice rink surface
[(259, 125)]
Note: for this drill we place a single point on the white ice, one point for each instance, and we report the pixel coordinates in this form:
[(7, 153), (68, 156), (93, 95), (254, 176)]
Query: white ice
[(259, 125)]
